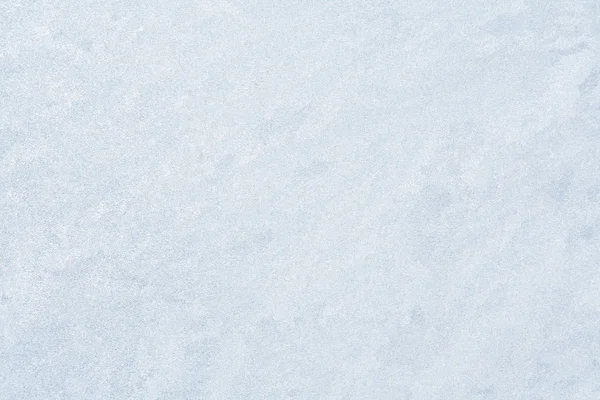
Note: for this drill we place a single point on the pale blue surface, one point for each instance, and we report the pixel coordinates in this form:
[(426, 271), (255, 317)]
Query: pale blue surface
[(235, 199)]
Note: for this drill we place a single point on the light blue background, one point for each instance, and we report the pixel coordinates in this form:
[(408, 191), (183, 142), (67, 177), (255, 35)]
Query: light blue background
[(227, 199)]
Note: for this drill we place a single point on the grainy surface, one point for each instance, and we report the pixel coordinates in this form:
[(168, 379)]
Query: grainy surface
[(299, 200)]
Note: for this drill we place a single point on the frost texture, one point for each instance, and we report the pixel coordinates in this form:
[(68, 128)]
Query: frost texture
[(226, 199)]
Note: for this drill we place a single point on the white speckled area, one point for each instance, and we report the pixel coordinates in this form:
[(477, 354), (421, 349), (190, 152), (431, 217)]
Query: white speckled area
[(252, 199)]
